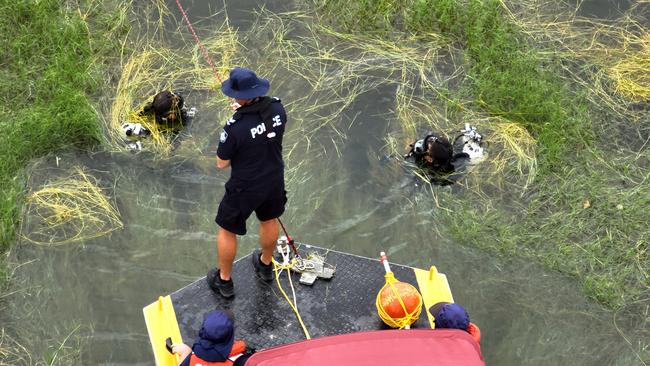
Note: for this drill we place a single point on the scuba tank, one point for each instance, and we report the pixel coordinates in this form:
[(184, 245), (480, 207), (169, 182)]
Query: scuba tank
[(470, 142)]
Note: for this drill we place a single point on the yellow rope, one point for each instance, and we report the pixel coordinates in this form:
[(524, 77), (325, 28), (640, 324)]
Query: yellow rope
[(277, 268), (409, 318)]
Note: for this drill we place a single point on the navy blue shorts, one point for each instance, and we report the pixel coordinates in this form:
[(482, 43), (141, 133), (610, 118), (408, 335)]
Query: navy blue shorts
[(238, 204)]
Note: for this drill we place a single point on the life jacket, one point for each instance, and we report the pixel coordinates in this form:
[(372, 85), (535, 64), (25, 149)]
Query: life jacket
[(238, 347), (475, 332)]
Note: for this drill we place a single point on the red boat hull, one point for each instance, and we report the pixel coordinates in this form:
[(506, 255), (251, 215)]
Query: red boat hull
[(445, 347)]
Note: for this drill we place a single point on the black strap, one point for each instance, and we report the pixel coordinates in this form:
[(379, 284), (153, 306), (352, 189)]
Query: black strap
[(264, 109), (412, 151)]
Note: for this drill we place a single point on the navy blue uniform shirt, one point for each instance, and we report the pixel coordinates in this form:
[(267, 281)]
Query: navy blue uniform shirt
[(252, 141)]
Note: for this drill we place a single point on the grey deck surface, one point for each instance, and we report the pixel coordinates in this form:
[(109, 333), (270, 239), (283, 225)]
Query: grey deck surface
[(263, 318)]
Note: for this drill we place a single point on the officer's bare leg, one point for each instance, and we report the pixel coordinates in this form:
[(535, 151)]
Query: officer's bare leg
[(269, 231), (226, 250)]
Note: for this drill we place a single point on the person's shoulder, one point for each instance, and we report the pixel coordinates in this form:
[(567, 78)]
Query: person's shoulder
[(277, 105), (232, 129), (232, 121), (276, 102)]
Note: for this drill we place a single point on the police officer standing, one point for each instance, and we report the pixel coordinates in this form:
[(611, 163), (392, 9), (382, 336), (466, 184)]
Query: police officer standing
[(251, 144)]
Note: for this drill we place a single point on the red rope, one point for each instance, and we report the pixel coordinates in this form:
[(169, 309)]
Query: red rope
[(289, 239), (198, 41)]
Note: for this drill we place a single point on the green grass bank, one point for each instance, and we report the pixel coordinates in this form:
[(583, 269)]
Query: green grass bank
[(585, 212), (51, 69)]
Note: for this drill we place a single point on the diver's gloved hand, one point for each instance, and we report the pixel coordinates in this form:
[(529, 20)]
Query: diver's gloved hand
[(133, 130), (417, 149)]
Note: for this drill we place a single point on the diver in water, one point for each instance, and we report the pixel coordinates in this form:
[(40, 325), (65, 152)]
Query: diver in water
[(441, 159), (433, 152), (169, 113), (168, 109)]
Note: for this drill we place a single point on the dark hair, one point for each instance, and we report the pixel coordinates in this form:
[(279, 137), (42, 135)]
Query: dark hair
[(440, 150), (164, 102)]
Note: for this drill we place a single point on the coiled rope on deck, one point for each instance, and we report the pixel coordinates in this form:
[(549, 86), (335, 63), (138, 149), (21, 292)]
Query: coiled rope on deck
[(277, 269)]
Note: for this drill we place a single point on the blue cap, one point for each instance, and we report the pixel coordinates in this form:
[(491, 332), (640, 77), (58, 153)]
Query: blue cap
[(215, 337), (244, 84), (449, 315)]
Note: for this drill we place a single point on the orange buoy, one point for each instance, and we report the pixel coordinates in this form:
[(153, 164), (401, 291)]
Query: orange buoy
[(390, 302), (398, 303)]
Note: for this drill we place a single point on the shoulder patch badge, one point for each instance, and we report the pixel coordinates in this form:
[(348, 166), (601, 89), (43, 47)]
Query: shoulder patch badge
[(223, 137), (230, 121)]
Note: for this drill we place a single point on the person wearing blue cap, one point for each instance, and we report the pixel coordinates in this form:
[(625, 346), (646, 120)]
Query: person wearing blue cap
[(453, 316), (216, 344), (251, 144)]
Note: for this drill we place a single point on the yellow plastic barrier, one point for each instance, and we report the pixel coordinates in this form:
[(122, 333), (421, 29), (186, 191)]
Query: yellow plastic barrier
[(433, 287), (161, 324)]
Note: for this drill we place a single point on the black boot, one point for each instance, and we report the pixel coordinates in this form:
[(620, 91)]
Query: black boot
[(265, 271), (224, 288)]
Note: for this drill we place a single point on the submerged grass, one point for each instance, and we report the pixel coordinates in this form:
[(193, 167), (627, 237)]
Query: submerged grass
[(11, 352), (150, 68), (566, 181), (333, 71), (584, 227), (70, 209), (511, 79), (507, 76), (614, 50), (63, 350)]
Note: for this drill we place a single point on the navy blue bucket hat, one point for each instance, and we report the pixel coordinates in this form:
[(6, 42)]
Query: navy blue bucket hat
[(244, 84), (216, 337), (448, 315)]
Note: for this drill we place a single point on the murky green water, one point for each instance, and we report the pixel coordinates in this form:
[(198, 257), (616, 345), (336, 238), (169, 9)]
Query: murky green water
[(347, 201), (604, 8)]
